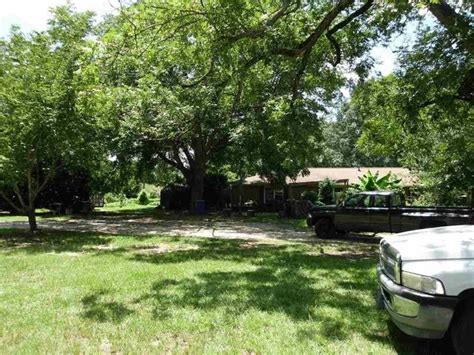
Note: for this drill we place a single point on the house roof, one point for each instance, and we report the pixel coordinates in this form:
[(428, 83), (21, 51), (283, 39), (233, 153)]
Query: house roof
[(339, 175)]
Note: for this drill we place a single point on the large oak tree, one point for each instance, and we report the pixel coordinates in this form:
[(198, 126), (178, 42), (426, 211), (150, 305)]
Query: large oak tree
[(199, 80)]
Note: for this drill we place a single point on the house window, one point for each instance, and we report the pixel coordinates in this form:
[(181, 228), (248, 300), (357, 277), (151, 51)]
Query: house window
[(278, 195), (268, 195)]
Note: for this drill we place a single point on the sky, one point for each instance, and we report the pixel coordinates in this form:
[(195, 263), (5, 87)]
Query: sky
[(33, 15)]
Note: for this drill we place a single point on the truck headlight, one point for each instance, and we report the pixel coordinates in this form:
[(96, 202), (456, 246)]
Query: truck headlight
[(422, 283)]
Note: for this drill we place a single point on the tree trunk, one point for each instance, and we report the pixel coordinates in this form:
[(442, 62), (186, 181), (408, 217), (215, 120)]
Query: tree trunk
[(241, 186), (455, 23), (32, 219), (197, 186), (198, 165)]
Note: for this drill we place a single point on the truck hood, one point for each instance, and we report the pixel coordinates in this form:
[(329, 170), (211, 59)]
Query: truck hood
[(454, 242)]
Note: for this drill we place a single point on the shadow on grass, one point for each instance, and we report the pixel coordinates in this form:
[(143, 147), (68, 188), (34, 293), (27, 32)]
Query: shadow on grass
[(149, 211), (97, 309), (50, 241), (335, 294), (330, 291)]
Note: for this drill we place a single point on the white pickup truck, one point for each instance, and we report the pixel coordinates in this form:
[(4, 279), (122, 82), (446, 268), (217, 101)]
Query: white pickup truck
[(426, 281)]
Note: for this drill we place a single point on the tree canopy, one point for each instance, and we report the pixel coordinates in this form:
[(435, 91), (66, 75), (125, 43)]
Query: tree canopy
[(423, 114), (45, 118), (202, 83), (237, 86)]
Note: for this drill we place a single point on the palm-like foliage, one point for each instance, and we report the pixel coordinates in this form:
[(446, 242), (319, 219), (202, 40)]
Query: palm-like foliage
[(372, 182)]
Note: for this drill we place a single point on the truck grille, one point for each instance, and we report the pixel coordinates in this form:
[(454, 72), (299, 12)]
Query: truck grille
[(389, 261)]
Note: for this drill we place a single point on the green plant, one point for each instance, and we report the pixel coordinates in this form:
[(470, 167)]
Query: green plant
[(372, 182), (111, 197), (326, 191), (143, 198), (309, 195)]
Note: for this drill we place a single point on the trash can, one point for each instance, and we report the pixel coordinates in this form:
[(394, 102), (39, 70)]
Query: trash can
[(200, 207)]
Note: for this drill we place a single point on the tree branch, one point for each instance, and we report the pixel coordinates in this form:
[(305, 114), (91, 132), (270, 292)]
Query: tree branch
[(438, 99), (299, 76), (336, 47), (285, 9), (329, 34), (20, 198), (456, 24), (311, 40), (10, 202), (169, 161), (188, 155), (48, 177)]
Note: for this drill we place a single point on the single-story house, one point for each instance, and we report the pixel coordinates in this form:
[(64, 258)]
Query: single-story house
[(259, 190)]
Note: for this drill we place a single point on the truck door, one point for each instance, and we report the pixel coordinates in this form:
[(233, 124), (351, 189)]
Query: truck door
[(354, 215), (385, 213), (379, 214)]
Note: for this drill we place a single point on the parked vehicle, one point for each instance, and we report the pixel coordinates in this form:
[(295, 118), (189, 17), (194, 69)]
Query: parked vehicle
[(382, 211), (426, 280)]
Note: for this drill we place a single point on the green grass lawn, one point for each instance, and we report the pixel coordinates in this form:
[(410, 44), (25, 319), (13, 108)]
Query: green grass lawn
[(89, 293), (130, 205), (6, 217)]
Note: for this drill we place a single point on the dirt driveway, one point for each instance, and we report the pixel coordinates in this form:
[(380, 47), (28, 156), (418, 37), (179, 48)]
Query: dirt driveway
[(207, 227)]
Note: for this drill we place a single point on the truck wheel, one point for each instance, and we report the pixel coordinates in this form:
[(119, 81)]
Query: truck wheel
[(324, 229), (462, 329)]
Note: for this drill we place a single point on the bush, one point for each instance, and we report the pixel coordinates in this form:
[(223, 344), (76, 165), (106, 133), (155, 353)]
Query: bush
[(310, 196), (143, 198), (326, 191), (111, 197)]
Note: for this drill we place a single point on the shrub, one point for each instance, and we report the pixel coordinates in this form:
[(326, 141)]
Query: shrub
[(111, 197), (326, 191), (310, 196), (143, 198)]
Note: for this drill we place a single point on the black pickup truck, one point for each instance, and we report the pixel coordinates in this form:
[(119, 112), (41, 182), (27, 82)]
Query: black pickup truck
[(381, 211)]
